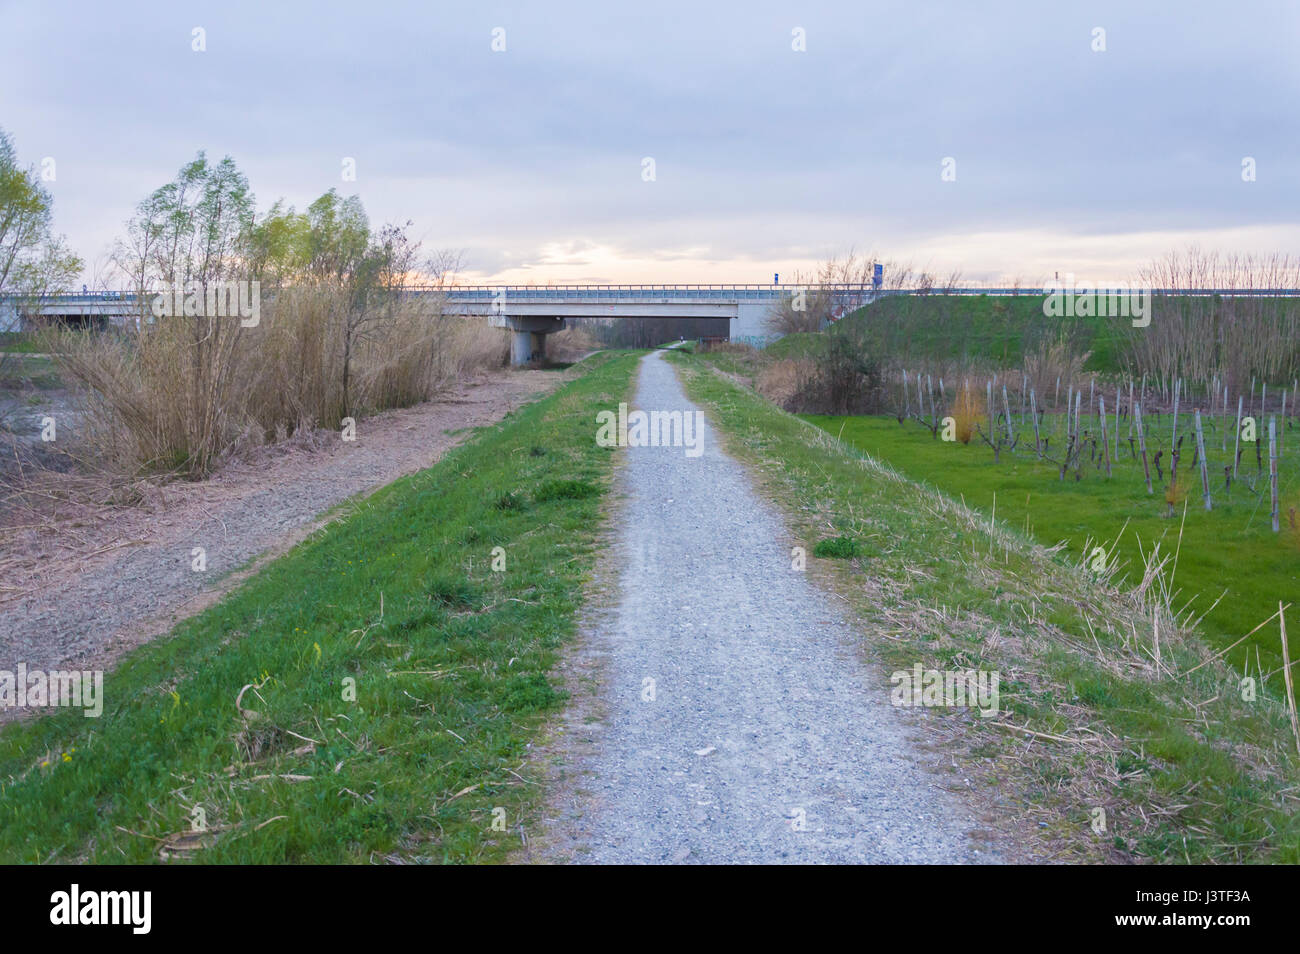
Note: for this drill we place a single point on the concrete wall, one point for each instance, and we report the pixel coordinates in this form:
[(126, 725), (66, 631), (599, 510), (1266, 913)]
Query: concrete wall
[(9, 320), (751, 320)]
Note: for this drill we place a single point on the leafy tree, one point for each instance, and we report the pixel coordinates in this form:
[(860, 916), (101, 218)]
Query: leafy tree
[(197, 227), (33, 260), (339, 236)]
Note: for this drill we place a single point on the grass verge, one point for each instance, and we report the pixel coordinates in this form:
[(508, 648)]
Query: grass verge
[(367, 697), (1120, 736)]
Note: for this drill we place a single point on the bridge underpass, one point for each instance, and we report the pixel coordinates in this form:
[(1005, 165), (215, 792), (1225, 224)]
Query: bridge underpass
[(534, 311)]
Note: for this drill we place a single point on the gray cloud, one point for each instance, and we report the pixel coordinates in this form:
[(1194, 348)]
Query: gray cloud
[(763, 155)]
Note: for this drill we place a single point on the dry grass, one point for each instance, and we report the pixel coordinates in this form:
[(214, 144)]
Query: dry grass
[(967, 411), (782, 382), (572, 343), (1053, 360), (176, 394)]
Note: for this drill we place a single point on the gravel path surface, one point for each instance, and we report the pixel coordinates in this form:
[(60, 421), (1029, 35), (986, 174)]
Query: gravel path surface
[(767, 739), (86, 594)]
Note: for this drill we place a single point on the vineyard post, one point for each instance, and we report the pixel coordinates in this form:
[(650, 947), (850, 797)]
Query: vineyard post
[(929, 389), (1205, 473), (988, 393), (1225, 418), (1272, 467), (1130, 411), (1006, 406), (1105, 444), (1142, 444), (1173, 441), (1033, 412), (1236, 443), (1282, 431), (1117, 396)]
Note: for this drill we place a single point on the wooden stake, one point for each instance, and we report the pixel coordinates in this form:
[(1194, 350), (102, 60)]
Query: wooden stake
[(1236, 444), (1272, 467), (1142, 444), (1286, 671), (1006, 406), (1117, 396), (1105, 444), (989, 395), (1200, 451), (1173, 441), (1130, 411), (1033, 412), (1225, 418)]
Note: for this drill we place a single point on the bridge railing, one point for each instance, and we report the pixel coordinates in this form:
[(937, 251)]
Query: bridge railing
[(689, 292)]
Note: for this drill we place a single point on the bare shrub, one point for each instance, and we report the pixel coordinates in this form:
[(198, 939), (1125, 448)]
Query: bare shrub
[(841, 378), (575, 341), (783, 382), (176, 394), (1052, 360), (967, 411), (809, 306), (1231, 337)]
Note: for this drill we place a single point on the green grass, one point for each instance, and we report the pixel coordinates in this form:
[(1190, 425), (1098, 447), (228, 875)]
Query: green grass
[(1230, 548), (18, 341), (801, 344), (450, 661), (841, 548), (1186, 769), (996, 329)]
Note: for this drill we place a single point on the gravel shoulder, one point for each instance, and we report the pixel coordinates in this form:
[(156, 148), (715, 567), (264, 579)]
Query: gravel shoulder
[(81, 595), (766, 738)]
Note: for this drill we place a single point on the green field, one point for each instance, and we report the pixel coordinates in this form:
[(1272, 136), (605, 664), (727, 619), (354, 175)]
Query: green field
[(1231, 548), (391, 678)]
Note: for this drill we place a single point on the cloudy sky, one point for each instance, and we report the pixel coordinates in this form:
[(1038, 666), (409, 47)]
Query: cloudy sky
[(766, 158)]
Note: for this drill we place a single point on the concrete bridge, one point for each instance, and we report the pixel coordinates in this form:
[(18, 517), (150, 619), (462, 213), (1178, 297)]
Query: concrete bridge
[(531, 311), (534, 311)]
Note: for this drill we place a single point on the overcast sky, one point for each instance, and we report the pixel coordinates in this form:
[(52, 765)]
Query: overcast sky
[(766, 158)]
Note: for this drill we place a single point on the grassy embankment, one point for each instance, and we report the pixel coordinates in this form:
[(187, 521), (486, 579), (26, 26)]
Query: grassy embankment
[(1097, 713), (994, 329), (245, 716), (1229, 554)]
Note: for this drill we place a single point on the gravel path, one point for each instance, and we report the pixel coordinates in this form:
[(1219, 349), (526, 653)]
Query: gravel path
[(767, 739)]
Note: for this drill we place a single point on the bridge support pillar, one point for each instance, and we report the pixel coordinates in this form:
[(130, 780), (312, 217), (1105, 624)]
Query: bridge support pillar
[(528, 337)]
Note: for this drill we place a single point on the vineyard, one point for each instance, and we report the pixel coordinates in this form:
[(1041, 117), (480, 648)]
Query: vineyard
[(1195, 495)]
